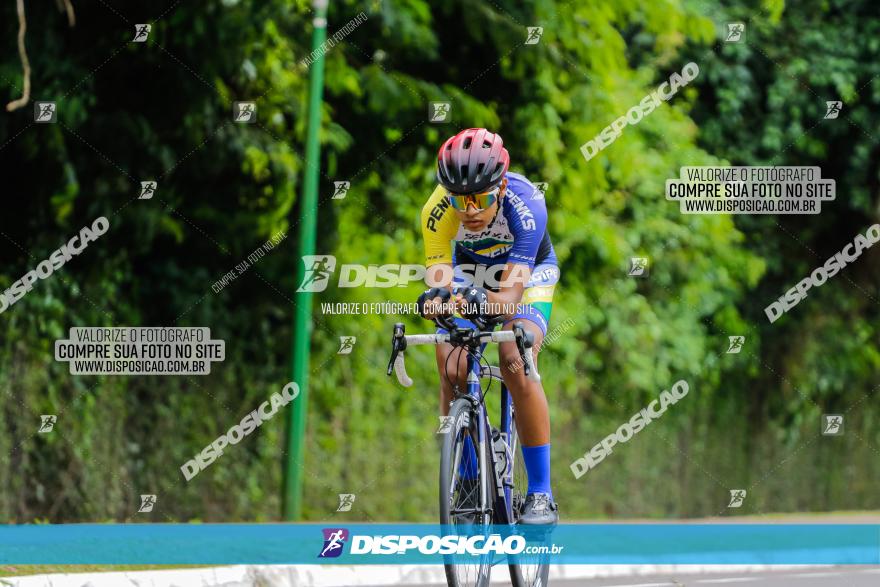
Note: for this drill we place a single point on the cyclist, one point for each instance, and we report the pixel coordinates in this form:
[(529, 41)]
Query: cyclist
[(484, 220)]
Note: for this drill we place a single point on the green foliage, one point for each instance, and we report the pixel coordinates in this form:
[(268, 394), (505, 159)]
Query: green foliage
[(162, 110)]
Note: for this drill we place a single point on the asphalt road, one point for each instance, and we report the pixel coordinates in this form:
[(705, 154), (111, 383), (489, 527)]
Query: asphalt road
[(843, 576), (834, 576)]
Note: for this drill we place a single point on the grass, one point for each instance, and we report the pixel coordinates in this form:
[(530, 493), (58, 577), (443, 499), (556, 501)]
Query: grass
[(21, 570)]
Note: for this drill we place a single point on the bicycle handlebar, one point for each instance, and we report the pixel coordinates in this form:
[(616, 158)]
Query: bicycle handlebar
[(400, 341)]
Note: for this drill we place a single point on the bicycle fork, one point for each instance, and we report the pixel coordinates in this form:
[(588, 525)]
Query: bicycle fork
[(503, 479)]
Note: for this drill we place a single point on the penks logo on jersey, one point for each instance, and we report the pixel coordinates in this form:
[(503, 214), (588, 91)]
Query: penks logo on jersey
[(437, 214), (522, 209)]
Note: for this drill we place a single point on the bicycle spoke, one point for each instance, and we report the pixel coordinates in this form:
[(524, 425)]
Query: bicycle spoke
[(460, 506), (528, 570)]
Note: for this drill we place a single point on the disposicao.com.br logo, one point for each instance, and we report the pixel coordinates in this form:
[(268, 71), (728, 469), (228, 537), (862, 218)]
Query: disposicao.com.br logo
[(430, 544), (334, 541)]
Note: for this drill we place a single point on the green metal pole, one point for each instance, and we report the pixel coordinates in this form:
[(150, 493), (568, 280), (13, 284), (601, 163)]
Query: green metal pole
[(302, 318)]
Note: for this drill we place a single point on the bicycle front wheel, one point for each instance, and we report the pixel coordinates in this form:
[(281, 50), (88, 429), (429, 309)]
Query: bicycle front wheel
[(460, 503), (533, 569)]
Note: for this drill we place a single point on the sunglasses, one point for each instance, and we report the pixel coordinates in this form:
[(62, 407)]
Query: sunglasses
[(480, 201)]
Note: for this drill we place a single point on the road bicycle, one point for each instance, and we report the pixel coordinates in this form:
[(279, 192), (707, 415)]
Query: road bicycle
[(494, 497)]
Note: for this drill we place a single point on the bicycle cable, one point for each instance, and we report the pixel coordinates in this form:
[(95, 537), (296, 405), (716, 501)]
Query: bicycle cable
[(452, 383), (481, 359)]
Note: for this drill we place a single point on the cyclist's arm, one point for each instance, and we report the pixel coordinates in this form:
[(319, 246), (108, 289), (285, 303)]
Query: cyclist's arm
[(527, 219), (439, 226)]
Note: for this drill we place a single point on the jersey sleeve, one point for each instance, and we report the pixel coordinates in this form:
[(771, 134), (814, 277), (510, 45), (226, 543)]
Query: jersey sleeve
[(439, 227), (527, 218)]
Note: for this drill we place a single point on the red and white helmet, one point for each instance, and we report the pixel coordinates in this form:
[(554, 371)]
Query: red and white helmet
[(474, 160)]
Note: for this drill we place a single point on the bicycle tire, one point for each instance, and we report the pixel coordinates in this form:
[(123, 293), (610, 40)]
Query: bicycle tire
[(538, 573), (464, 424)]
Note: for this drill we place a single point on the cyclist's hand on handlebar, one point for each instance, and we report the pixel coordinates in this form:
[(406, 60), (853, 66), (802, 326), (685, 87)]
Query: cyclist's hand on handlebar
[(471, 302), (430, 300)]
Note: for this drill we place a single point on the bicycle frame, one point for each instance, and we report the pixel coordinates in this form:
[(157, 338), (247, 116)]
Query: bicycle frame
[(503, 482), (475, 341)]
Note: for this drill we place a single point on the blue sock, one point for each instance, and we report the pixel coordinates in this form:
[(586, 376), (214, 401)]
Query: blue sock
[(467, 466), (537, 461)]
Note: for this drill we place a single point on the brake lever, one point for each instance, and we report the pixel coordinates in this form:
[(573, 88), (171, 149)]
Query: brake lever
[(524, 340), (480, 322), (445, 322), (398, 345)]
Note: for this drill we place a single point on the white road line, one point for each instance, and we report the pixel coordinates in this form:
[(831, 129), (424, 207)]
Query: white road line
[(813, 574), (645, 585), (730, 580)]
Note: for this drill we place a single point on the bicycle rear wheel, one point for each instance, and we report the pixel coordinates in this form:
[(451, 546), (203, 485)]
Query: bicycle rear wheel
[(526, 570), (460, 498)]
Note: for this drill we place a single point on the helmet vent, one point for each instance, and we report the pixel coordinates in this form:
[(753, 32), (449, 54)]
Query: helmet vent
[(472, 161)]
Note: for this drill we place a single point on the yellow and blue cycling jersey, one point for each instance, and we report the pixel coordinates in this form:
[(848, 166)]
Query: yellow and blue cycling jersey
[(517, 234)]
